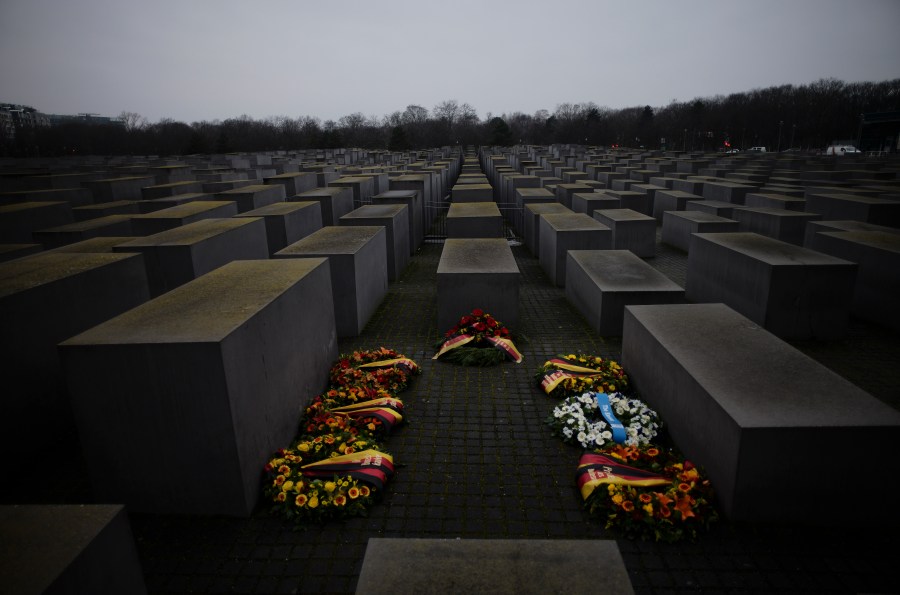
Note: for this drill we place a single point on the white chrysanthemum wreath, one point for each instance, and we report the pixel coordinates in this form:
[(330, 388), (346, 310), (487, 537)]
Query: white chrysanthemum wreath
[(579, 420)]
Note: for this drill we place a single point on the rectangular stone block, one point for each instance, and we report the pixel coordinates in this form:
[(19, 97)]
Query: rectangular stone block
[(122, 188), (164, 190), (19, 220), (671, 200), (184, 253), (568, 231), (415, 565), (13, 251), (76, 197), (287, 222), (357, 257), (532, 226), (528, 196), (628, 199), (835, 206), (254, 196), (477, 273), (600, 283), (474, 220), (416, 213), (189, 212), (792, 292), (69, 549), (44, 299), (213, 373), (678, 226), (877, 254), (363, 188), (588, 202), (119, 207), (334, 202), (294, 182), (564, 193), (771, 200), (713, 207), (781, 224), (158, 204), (395, 220), (110, 225), (472, 193), (736, 399), (630, 230), (727, 191)]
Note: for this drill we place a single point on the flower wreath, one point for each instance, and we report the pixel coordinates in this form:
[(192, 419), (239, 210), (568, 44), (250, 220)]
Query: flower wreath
[(375, 417), (478, 339), (335, 487), (646, 492), (378, 369), (593, 420), (577, 373)]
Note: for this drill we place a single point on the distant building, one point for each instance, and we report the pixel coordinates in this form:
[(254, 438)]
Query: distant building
[(14, 116), (86, 118), (880, 132)]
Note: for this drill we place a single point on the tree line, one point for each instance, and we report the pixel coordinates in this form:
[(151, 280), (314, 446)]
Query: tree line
[(801, 116)]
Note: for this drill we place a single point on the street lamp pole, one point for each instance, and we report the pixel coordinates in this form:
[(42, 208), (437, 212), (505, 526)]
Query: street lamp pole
[(780, 124), (793, 130)]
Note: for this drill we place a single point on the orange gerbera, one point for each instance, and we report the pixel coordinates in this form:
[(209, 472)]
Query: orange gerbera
[(364, 491), (353, 493), (684, 487), (300, 500), (627, 505), (646, 498)]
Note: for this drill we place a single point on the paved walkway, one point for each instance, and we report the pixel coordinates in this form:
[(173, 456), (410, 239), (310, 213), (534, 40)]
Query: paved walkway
[(476, 461)]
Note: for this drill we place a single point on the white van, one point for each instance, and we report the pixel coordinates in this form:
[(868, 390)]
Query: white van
[(756, 150), (842, 150)]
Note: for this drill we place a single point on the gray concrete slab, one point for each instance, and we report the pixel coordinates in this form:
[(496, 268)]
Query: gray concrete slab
[(184, 253), (736, 399), (790, 291), (477, 273), (678, 226), (357, 257), (600, 283), (199, 371), (69, 549), (287, 222), (474, 220), (513, 566), (395, 219), (630, 230), (562, 232)]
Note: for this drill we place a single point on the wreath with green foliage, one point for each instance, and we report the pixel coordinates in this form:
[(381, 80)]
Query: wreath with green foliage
[(360, 369), (578, 373), (478, 339), (678, 504)]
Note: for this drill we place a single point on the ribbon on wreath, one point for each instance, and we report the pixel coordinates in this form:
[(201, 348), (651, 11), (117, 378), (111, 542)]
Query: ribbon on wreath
[(618, 430), (386, 410), (504, 345), (370, 466), (566, 370), (402, 362), (595, 469)]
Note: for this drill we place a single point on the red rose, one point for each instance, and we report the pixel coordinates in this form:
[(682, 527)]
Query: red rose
[(504, 332), (492, 323), (479, 326), (465, 321), (477, 312)]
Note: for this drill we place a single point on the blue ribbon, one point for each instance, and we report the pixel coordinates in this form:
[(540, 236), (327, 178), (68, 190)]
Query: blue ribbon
[(618, 430)]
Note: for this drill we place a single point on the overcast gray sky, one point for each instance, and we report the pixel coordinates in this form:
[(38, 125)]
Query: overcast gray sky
[(197, 60)]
